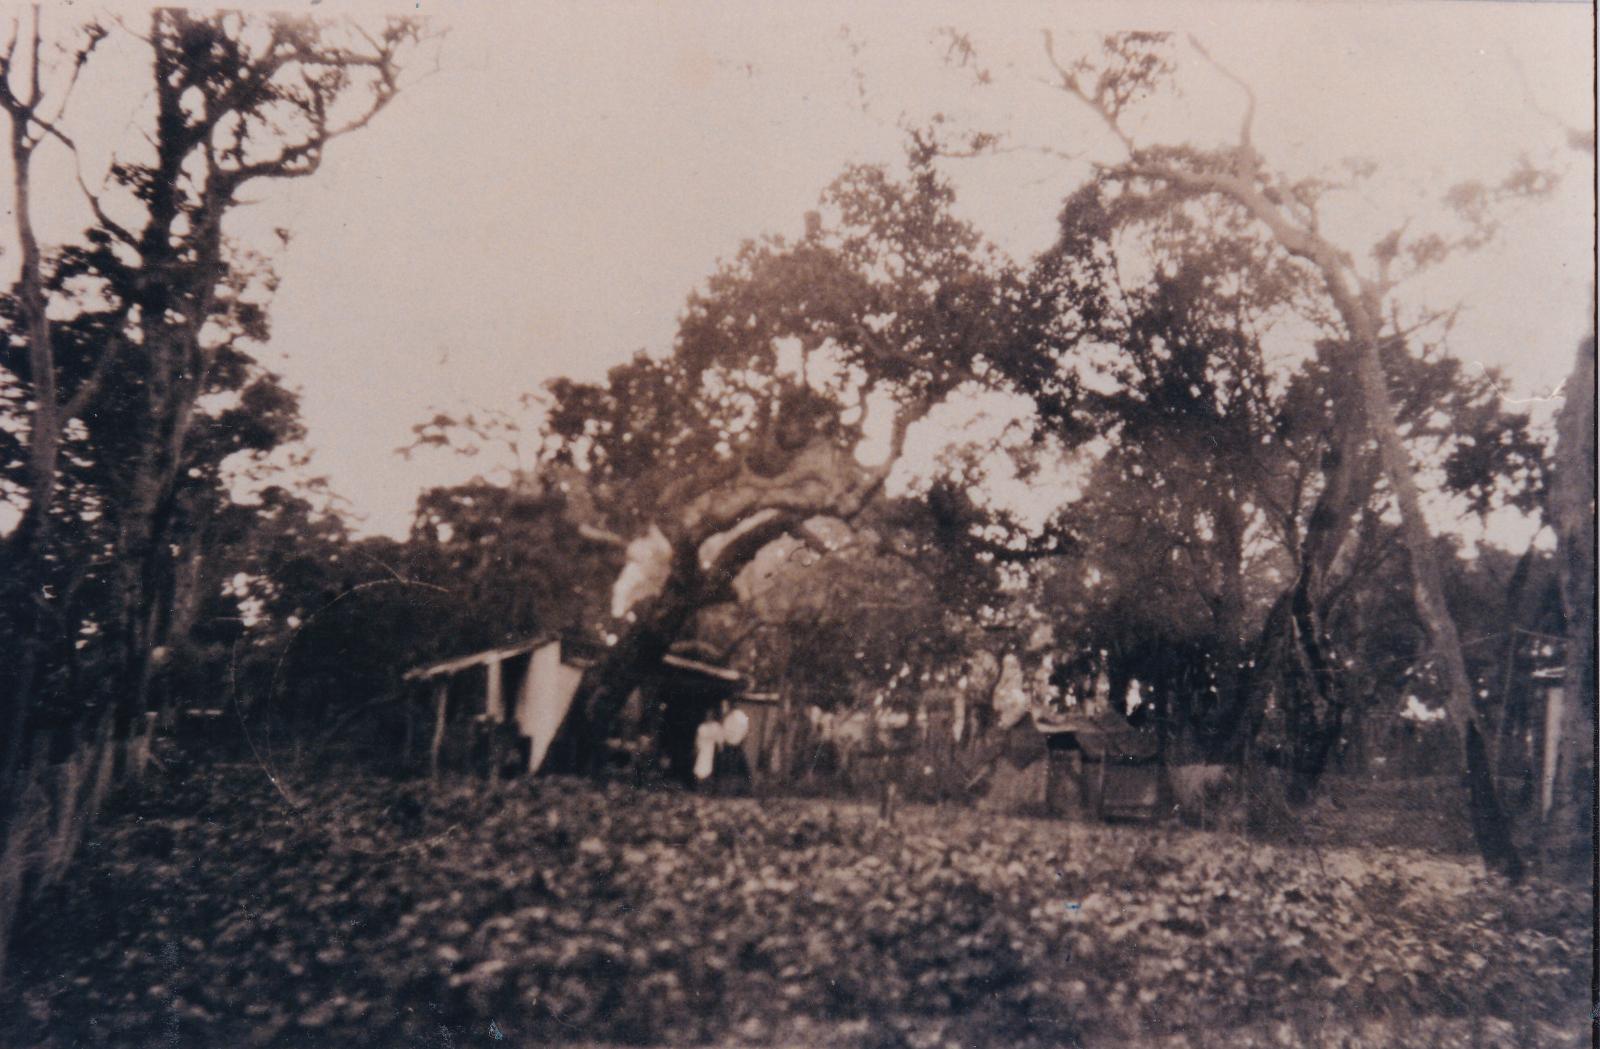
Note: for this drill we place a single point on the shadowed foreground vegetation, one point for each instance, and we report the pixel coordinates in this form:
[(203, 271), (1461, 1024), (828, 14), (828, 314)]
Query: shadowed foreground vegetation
[(385, 914)]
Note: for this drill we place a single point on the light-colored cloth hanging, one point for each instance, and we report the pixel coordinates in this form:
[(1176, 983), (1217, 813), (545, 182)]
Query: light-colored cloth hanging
[(735, 727), (706, 741)]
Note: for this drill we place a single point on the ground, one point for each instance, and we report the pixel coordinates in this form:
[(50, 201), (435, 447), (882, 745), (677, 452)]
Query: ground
[(358, 911)]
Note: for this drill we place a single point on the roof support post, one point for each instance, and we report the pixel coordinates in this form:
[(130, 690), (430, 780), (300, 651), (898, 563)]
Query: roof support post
[(494, 701), (441, 703)]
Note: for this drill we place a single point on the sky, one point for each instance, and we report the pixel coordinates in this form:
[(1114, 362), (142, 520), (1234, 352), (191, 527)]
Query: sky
[(544, 199)]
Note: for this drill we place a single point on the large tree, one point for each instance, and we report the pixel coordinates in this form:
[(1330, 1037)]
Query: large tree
[(1231, 517), (158, 306), (798, 373), (1112, 84), (127, 377), (1572, 514)]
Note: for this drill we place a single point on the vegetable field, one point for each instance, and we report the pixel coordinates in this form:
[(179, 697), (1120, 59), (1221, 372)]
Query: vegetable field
[(369, 912)]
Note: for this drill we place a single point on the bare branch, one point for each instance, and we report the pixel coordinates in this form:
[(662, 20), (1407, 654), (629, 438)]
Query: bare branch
[(111, 225), (95, 33), (1246, 149), (1071, 84)]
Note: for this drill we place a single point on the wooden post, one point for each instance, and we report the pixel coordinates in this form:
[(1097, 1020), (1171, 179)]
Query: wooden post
[(441, 703), (1100, 790), (1554, 696), (494, 702), (494, 715)]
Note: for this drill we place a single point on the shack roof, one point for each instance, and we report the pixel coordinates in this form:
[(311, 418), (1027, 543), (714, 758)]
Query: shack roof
[(1051, 726), (490, 655), (1099, 739), (695, 666), (1129, 747)]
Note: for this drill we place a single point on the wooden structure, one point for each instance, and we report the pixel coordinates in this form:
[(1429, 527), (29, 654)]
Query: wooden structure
[(1101, 771), (1016, 770), (675, 700), (540, 675), (517, 699), (1551, 681), (760, 744)]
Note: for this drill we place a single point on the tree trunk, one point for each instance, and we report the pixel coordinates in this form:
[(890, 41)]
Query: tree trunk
[(1489, 822), (28, 546), (636, 655), (1569, 832), (1359, 306), (692, 585)]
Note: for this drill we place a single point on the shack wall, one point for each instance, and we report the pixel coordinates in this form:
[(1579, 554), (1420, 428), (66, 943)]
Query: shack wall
[(544, 699)]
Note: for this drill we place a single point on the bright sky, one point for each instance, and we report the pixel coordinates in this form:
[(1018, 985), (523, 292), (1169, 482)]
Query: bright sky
[(544, 202)]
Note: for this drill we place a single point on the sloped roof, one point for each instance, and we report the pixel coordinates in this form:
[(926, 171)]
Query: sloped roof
[(695, 666), (1100, 739), (1051, 726), (457, 664)]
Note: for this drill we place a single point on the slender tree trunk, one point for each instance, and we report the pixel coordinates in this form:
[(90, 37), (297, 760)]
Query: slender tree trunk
[(27, 547), (1359, 306), (1489, 822)]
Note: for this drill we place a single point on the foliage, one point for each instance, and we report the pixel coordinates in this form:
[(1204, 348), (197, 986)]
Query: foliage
[(128, 358), (380, 914), (512, 559), (1233, 506)]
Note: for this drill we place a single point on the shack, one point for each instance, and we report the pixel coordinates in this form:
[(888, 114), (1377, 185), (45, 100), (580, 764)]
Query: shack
[(1100, 770), (540, 674), (671, 704), (509, 707)]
